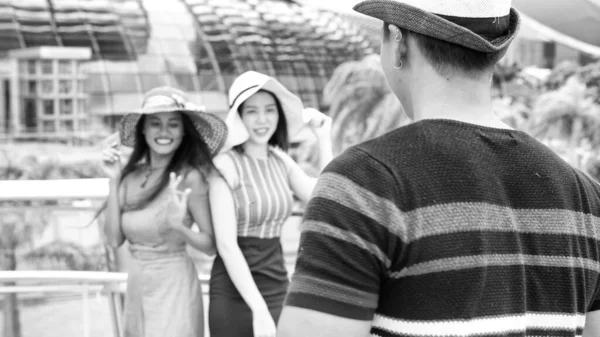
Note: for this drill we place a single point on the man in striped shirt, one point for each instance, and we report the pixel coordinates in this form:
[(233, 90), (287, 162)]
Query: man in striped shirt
[(456, 225)]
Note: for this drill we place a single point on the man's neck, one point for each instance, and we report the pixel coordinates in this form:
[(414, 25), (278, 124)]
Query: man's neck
[(457, 98)]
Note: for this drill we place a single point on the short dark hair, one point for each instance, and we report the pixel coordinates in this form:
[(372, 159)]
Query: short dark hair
[(446, 57), (280, 137)]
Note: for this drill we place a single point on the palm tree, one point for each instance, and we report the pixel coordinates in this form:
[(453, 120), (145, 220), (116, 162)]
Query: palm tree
[(568, 121), (361, 103)]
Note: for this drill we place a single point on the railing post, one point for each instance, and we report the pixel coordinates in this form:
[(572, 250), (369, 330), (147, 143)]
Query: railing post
[(116, 312), (86, 311)]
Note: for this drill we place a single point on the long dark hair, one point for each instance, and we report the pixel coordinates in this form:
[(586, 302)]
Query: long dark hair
[(280, 137), (192, 153)]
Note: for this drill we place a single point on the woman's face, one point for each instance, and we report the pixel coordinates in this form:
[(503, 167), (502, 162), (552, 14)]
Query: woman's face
[(260, 116), (163, 132)]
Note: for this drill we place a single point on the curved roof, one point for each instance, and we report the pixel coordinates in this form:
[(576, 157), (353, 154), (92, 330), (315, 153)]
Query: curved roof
[(197, 45), (579, 19)]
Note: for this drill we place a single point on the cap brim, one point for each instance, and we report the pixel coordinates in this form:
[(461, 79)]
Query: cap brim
[(425, 23)]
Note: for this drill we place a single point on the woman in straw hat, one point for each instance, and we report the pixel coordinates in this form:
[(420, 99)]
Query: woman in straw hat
[(153, 201), (253, 200)]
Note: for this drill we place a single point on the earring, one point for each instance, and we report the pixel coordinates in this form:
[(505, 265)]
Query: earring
[(398, 37), (397, 67)]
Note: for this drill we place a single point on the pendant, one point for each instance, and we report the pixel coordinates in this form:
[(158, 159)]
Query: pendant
[(146, 179)]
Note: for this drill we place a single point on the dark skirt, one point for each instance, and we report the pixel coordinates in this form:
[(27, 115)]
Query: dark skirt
[(228, 313)]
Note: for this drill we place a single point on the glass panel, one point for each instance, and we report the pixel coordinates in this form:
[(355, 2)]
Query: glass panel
[(66, 107), (31, 67), (66, 125), (186, 82), (174, 47), (47, 86), (65, 67), (100, 104), (29, 114), (153, 81), (83, 125), (181, 64), (208, 80), (151, 64), (47, 68), (123, 82), (65, 86), (48, 107), (28, 87), (95, 83), (82, 106), (22, 66), (49, 126)]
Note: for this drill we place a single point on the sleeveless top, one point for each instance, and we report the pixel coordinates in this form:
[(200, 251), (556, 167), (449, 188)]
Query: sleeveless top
[(263, 199), (145, 228)]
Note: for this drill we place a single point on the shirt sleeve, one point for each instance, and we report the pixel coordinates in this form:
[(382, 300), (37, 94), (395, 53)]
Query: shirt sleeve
[(346, 239)]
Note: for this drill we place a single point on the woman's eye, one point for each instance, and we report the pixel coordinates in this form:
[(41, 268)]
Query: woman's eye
[(174, 125)]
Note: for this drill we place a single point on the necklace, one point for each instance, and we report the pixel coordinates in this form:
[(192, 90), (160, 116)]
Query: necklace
[(147, 176)]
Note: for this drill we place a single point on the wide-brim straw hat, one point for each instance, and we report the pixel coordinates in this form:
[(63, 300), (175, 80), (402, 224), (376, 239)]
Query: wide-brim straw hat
[(484, 25), (248, 84), (211, 128)]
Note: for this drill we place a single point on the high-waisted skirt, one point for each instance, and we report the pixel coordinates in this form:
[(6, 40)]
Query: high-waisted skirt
[(228, 313)]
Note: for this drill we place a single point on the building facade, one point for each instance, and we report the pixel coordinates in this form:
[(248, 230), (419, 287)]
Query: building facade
[(74, 67)]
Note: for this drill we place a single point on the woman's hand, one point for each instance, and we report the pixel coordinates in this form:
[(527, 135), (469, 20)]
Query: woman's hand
[(111, 158), (263, 323), (319, 123), (177, 206)]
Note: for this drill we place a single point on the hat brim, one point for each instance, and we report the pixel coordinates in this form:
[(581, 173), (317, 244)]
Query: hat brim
[(211, 128), (291, 104), (428, 24)]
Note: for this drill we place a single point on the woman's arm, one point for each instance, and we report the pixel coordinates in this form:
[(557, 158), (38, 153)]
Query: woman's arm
[(199, 208), (301, 183), (112, 226), (225, 228)]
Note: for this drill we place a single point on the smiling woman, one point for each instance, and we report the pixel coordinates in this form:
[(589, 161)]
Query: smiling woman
[(253, 200), (148, 205)]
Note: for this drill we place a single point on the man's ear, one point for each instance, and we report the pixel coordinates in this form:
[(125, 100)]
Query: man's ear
[(399, 40)]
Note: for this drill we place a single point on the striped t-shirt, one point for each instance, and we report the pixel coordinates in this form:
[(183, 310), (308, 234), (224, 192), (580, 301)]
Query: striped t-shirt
[(262, 197), (442, 228)]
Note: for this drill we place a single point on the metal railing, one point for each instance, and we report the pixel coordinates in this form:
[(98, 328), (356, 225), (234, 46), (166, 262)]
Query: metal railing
[(85, 283)]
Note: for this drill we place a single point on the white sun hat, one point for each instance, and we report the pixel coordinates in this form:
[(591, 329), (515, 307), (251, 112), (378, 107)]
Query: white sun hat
[(246, 85)]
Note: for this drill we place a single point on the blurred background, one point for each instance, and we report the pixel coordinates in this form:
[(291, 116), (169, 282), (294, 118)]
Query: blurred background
[(70, 69)]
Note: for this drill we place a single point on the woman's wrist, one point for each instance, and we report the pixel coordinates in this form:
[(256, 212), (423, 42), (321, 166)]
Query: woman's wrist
[(259, 308), (114, 181)]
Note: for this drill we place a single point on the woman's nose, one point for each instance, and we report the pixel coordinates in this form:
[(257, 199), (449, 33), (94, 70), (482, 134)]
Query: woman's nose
[(262, 117)]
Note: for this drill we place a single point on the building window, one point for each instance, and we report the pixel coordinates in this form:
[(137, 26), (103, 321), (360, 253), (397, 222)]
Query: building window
[(47, 87), (47, 68), (66, 125), (49, 126), (65, 86), (66, 107), (48, 107), (31, 67), (65, 67)]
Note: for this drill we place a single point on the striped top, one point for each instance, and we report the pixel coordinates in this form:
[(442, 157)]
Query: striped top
[(262, 197), (443, 228)]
